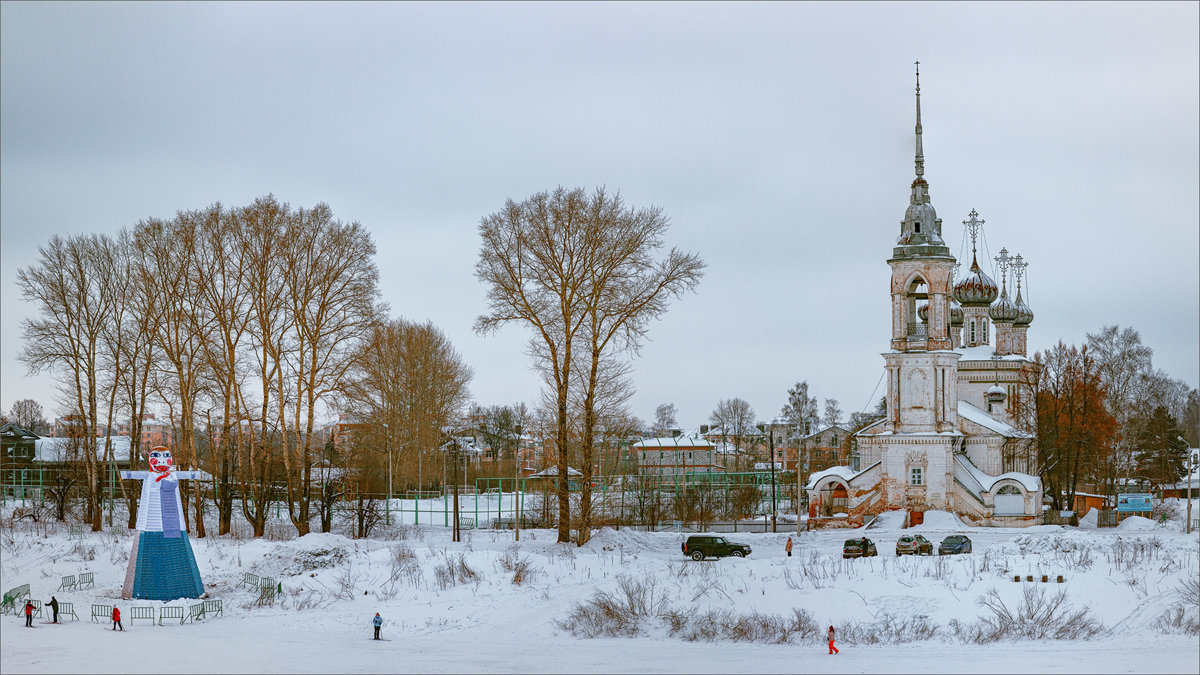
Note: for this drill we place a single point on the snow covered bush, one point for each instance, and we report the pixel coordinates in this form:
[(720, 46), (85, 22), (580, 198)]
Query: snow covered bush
[(455, 571), (522, 569), (1039, 616), (620, 613), (1184, 617)]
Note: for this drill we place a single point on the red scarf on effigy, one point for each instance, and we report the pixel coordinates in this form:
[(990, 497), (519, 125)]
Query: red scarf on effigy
[(162, 472)]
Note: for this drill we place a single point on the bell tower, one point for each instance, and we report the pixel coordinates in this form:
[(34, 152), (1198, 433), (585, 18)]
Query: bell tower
[(922, 368)]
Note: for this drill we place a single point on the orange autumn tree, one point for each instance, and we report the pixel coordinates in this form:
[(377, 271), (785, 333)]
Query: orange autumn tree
[(1075, 432)]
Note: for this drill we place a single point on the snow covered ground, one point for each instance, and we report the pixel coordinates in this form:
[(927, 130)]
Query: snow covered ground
[(453, 607)]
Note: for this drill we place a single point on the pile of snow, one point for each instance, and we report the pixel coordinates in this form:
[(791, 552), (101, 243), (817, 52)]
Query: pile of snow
[(1136, 523)]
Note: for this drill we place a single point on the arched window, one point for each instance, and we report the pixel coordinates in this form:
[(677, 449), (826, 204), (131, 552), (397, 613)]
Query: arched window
[(972, 330), (983, 325), (1008, 490), (917, 290)]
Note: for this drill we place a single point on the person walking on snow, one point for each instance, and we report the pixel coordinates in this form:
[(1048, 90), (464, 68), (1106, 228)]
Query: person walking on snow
[(832, 649), (377, 621), (117, 620), (29, 614), (788, 547), (54, 607)]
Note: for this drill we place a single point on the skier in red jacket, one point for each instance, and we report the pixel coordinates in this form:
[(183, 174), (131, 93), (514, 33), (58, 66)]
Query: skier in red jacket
[(832, 649), (28, 614)]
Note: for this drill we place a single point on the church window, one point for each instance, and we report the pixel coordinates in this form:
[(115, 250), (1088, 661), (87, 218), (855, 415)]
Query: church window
[(1008, 490), (972, 330), (917, 228), (983, 325), (914, 476)]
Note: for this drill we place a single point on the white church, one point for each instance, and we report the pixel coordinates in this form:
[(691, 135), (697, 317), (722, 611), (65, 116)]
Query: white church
[(958, 353)]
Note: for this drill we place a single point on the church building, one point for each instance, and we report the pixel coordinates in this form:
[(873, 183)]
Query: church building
[(950, 440)]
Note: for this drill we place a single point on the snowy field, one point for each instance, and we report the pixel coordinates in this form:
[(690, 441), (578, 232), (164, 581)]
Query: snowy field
[(454, 607)]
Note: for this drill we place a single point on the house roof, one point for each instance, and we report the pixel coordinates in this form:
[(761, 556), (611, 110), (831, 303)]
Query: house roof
[(983, 419), (57, 450), (553, 471), (674, 442), (839, 427), (11, 429)]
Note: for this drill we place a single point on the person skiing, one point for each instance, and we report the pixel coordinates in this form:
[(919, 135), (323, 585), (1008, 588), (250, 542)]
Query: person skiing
[(29, 614), (117, 620), (377, 621), (832, 649), (788, 547), (54, 607)]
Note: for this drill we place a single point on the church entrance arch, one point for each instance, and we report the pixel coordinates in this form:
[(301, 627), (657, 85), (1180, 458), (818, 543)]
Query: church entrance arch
[(835, 498), (1009, 501)]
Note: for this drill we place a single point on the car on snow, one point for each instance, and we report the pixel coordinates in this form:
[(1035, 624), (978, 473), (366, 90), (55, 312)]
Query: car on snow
[(859, 548), (913, 545), (701, 546), (955, 543)]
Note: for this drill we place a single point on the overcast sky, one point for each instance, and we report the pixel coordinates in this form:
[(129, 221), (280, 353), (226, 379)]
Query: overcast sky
[(777, 137)]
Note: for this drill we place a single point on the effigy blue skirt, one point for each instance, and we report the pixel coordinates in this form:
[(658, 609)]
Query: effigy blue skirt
[(162, 568)]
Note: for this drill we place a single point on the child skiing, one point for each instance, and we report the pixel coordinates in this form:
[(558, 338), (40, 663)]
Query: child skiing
[(377, 621), (29, 614), (832, 649), (117, 620)]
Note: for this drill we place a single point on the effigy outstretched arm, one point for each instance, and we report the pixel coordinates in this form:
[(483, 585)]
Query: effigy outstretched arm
[(138, 475)]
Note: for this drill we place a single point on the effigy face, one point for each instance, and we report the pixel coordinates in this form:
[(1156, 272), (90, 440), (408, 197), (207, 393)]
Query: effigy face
[(160, 460)]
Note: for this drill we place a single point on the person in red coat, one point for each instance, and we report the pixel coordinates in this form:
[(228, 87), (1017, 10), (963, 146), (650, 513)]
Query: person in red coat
[(28, 614), (832, 649), (117, 620)]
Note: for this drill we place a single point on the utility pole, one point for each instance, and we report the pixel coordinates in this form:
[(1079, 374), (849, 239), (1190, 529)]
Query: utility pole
[(1187, 526), (771, 444)]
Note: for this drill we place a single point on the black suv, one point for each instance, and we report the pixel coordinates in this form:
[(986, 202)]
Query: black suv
[(913, 544), (701, 546), (859, 548), (955, 543)]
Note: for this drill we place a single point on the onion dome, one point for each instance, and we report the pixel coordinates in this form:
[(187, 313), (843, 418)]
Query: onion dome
[(976, 289), (1004, 310), (996, 394), (1024, 313), (956, 313), (923, 312)]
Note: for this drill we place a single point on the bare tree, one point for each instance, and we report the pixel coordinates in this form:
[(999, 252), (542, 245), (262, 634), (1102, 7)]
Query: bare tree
[(801, 414), (263, 228), (580, 270), (65, 335), (664, 419), (332, 285), (27, 414), (833, 412), (735, 418), (172, 248), (534, 259), (408, 384)]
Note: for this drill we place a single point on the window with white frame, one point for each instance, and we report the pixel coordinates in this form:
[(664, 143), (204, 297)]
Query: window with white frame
[(915, 476)]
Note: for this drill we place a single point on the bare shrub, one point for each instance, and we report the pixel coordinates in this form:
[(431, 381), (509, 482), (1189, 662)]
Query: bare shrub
[(1185, 616), (1039, 616), (620, 613), (454, 571), (890, 629), (522, 569), (347, 583)]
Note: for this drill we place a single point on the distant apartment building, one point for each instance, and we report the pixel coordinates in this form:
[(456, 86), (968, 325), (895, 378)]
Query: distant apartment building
[(676, 456)]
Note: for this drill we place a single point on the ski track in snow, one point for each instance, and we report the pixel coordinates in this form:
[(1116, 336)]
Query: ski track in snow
[(491, 625)]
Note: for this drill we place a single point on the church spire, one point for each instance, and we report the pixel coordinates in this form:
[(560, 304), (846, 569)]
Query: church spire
[(920, 160)]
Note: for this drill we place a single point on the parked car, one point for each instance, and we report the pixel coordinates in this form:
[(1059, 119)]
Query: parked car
[(701, 546), (914, 545), (955, 543), (859, 548)]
